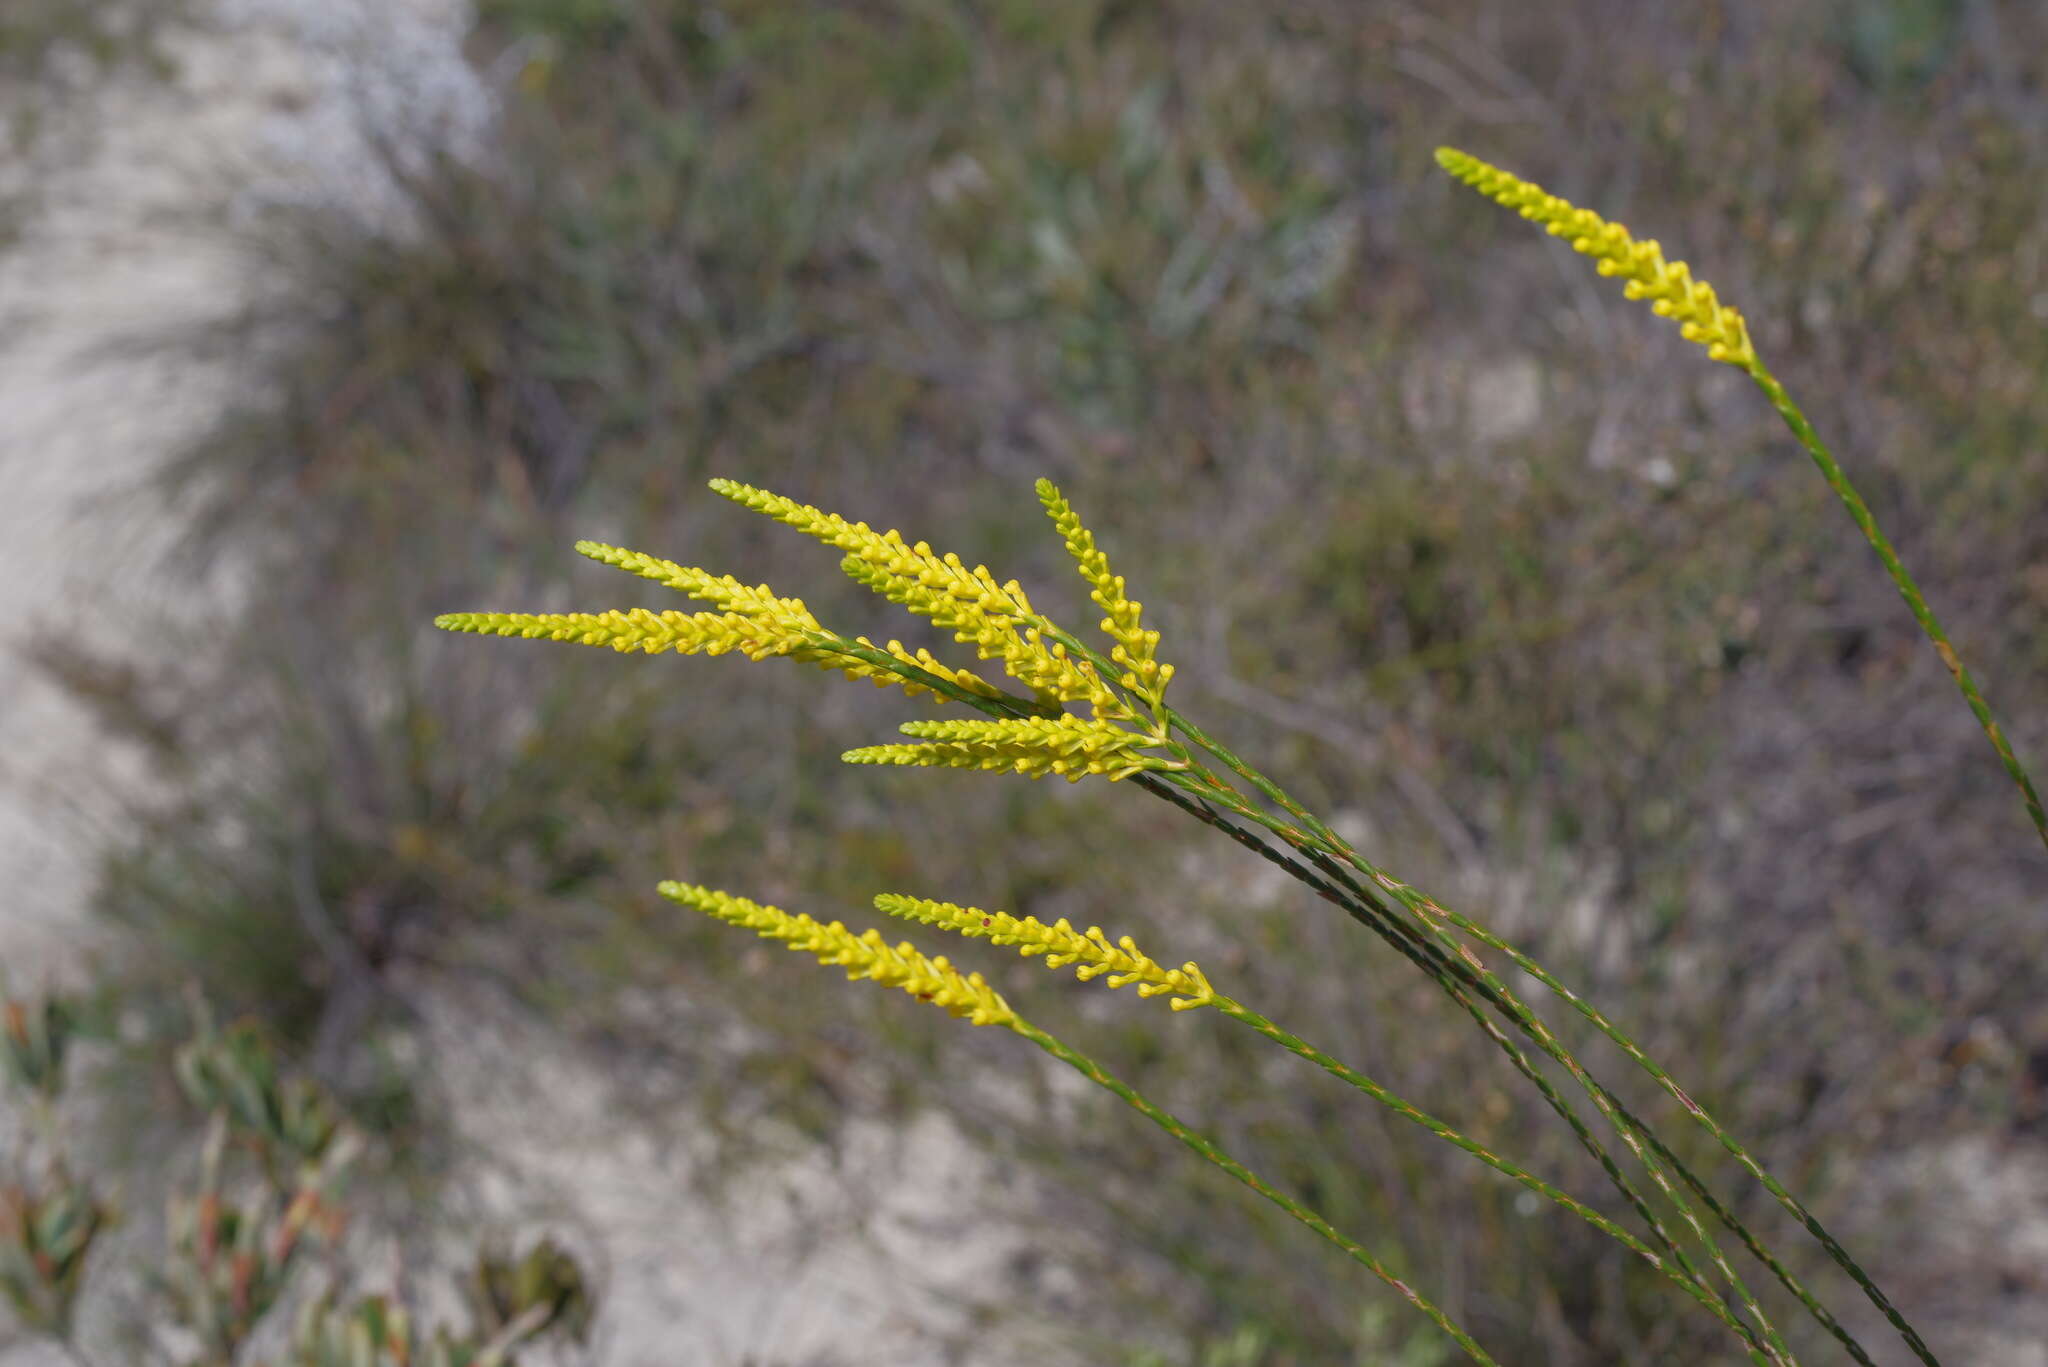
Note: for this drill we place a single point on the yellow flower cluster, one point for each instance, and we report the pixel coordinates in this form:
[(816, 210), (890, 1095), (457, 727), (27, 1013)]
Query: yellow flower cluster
[(1702, 318), (1060, 944), (1135, 646), (1071, 747), (997, 619), (865, 955)]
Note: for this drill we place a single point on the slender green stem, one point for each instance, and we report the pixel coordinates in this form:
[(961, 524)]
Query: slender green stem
[(1455, 978), (1728, 1142), (1540, 1033), (1165, 1120), (1350, 1076), (1438, 964), (1433, 918), (1727, 1218), (1859, 512), (1432, 912)]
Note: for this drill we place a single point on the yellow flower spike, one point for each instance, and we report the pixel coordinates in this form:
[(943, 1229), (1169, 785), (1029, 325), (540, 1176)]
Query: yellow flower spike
[(887, 551), (686, 633), (1062, 735), (1066, 746), (1702, 318), (710, 633), (1134, 645), (863, 956), (720, 590), (1030, 761), (1060, 944), (934, 980)]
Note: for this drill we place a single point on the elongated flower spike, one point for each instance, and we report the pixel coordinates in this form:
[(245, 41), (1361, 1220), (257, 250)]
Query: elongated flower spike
[(756, 622), (686, 633), (863, 956), (720, 590), (1135, 647), (710, 633), (1060, 944), (1067, 746), (1702, 317)]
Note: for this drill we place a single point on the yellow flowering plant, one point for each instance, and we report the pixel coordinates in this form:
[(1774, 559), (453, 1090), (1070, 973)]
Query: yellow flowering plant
[(1078, 711)]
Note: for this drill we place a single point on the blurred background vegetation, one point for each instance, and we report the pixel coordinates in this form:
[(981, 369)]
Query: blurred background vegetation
[(53, 55), (1549, 610)]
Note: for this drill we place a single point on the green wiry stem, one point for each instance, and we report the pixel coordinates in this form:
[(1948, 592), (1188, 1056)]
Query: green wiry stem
[(1606, 1100), (1784, 1275), (1859, 512), (1433, 918), (1431, 911), (1165, 1120), (1533, 1026), (1728, 1142), (1351, 1077), (1454, 977)]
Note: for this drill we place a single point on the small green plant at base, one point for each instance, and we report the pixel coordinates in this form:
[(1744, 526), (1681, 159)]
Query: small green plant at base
[(50, 1217), (46, 1230), (240, 1239), (1084, 712)]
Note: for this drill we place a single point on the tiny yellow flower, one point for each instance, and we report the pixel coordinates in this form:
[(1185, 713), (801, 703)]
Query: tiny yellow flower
[(863, 956), (1060, 944), (887, 551), (1702, 318)]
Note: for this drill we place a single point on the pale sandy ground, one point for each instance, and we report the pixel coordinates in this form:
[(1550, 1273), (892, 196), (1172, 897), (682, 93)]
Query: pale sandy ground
[(266, 103)]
